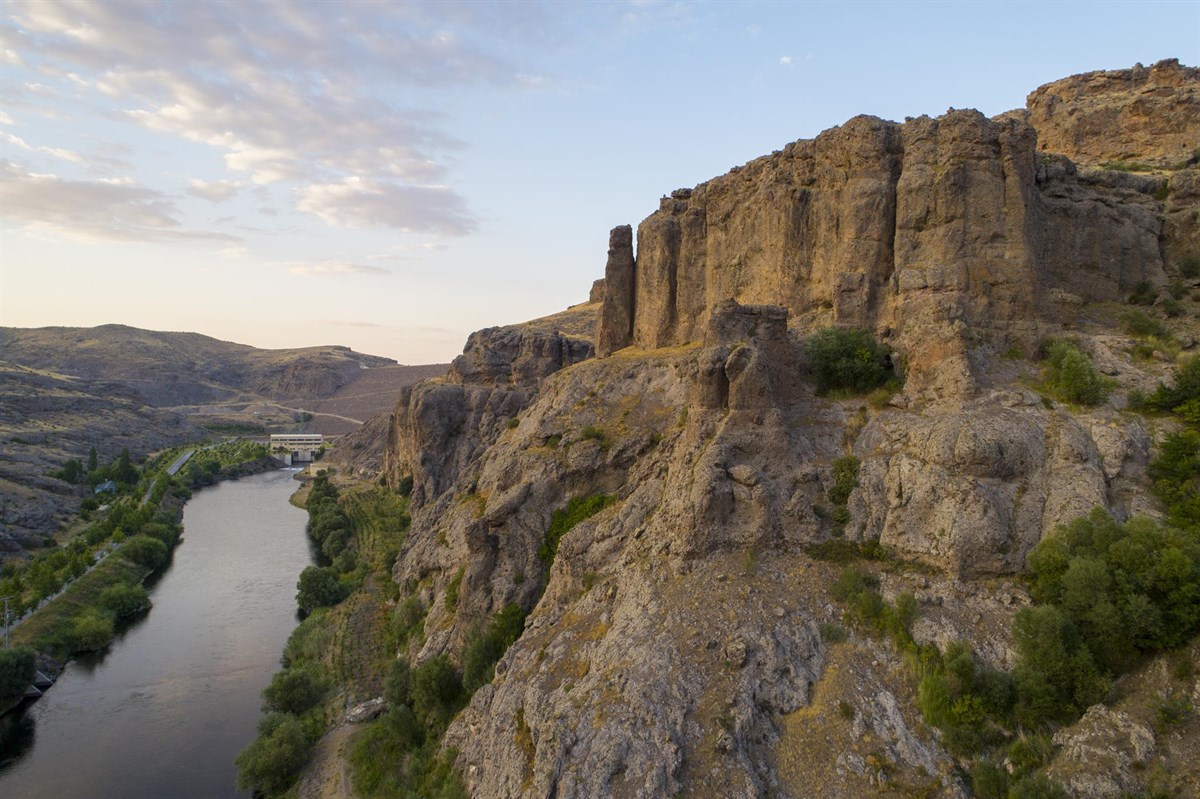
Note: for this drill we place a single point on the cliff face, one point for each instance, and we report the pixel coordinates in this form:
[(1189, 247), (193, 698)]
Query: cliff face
[(1143, 114), (673, 644), (922, 231)]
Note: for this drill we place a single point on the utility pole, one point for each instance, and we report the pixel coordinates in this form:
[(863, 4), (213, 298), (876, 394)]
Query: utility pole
[(5, 599)]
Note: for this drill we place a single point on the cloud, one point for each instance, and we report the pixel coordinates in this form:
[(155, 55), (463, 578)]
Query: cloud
[(332, 269), (347, 323), (785, 61), (217, 191), (53, 152), (361, 203), (301, 92), (90, 210)]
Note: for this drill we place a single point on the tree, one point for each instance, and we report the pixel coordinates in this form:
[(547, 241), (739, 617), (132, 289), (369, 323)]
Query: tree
[(318, 587), (436, 692), (125, 472), (92, 463), (146, 551), (124, 599), (92, 630), (297, 689), (16, 673), (848, 358), (273, 760)]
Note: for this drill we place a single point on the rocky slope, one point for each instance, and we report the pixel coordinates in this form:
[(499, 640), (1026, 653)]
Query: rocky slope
[(674, 645), (46, 419)]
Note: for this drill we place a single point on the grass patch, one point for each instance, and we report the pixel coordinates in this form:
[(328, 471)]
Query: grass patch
[(563, 519)]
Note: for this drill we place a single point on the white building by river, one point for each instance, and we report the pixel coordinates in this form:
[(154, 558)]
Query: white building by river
[(296, 447)]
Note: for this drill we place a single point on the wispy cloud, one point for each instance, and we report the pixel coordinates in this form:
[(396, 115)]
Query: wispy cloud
[(53, 152), (90, 210), (785, 61), (360, 203), (309, 93), (216, 191), (332, 269)]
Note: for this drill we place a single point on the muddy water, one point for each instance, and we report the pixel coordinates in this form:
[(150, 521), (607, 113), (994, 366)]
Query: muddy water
[(165, 709)]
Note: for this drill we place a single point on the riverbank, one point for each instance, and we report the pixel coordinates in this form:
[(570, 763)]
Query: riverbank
[(164, 709), (86, 615)]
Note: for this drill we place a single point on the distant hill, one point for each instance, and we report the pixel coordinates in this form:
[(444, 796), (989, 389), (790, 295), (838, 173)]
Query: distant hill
[(168, 369), (64, 390)]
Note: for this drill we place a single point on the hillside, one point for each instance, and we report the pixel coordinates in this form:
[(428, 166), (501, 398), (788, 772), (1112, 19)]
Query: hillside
[(745, 569), (167, 369), (66, 390)]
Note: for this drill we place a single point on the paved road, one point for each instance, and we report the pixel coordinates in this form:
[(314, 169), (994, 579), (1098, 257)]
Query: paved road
[(178, 464)]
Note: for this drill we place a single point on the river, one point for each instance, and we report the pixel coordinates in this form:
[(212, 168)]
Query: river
[(164, 710)]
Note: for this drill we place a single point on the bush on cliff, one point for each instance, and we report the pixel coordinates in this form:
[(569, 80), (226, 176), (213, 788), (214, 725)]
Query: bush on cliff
[(1070, 374), (848, 359)]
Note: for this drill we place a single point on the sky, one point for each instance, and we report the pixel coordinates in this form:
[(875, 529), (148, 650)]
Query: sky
[(391, 176)]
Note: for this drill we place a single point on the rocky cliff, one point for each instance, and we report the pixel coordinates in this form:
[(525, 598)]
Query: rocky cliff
[(933, 232), (675, 642)]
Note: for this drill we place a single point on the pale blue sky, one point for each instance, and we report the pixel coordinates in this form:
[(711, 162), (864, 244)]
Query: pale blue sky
[(392, 176)]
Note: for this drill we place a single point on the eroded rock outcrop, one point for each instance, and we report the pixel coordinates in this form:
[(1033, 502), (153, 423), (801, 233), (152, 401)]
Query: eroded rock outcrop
[(1136, 115), (931, 232), (674, 641)]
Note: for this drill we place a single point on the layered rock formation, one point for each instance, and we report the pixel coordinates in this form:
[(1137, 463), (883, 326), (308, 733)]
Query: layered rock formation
[(1143, 114), (932, 232), (673, 644)]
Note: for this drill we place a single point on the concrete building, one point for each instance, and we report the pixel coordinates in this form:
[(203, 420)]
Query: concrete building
[(295, 447)]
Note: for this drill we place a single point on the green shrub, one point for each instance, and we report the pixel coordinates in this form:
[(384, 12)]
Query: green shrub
[(408, 618), (272, 762), (437, 693), (309, 641), (124, 599), (1144, 293), (296, 689), (1069, 373), (318, 587), (485, 648), (845, 479), (593, 433), (397, 685), (453, 589), (848, 359), (989, 780), (91, 630), (1138, 323), (1182, 394), (562, 520), (146, 551), (1171, 709), (832, 633), (1189, 265), (405, 486), (1171, 307), (1175, 472)]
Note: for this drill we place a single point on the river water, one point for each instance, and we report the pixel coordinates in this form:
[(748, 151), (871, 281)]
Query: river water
[(165, 709)]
